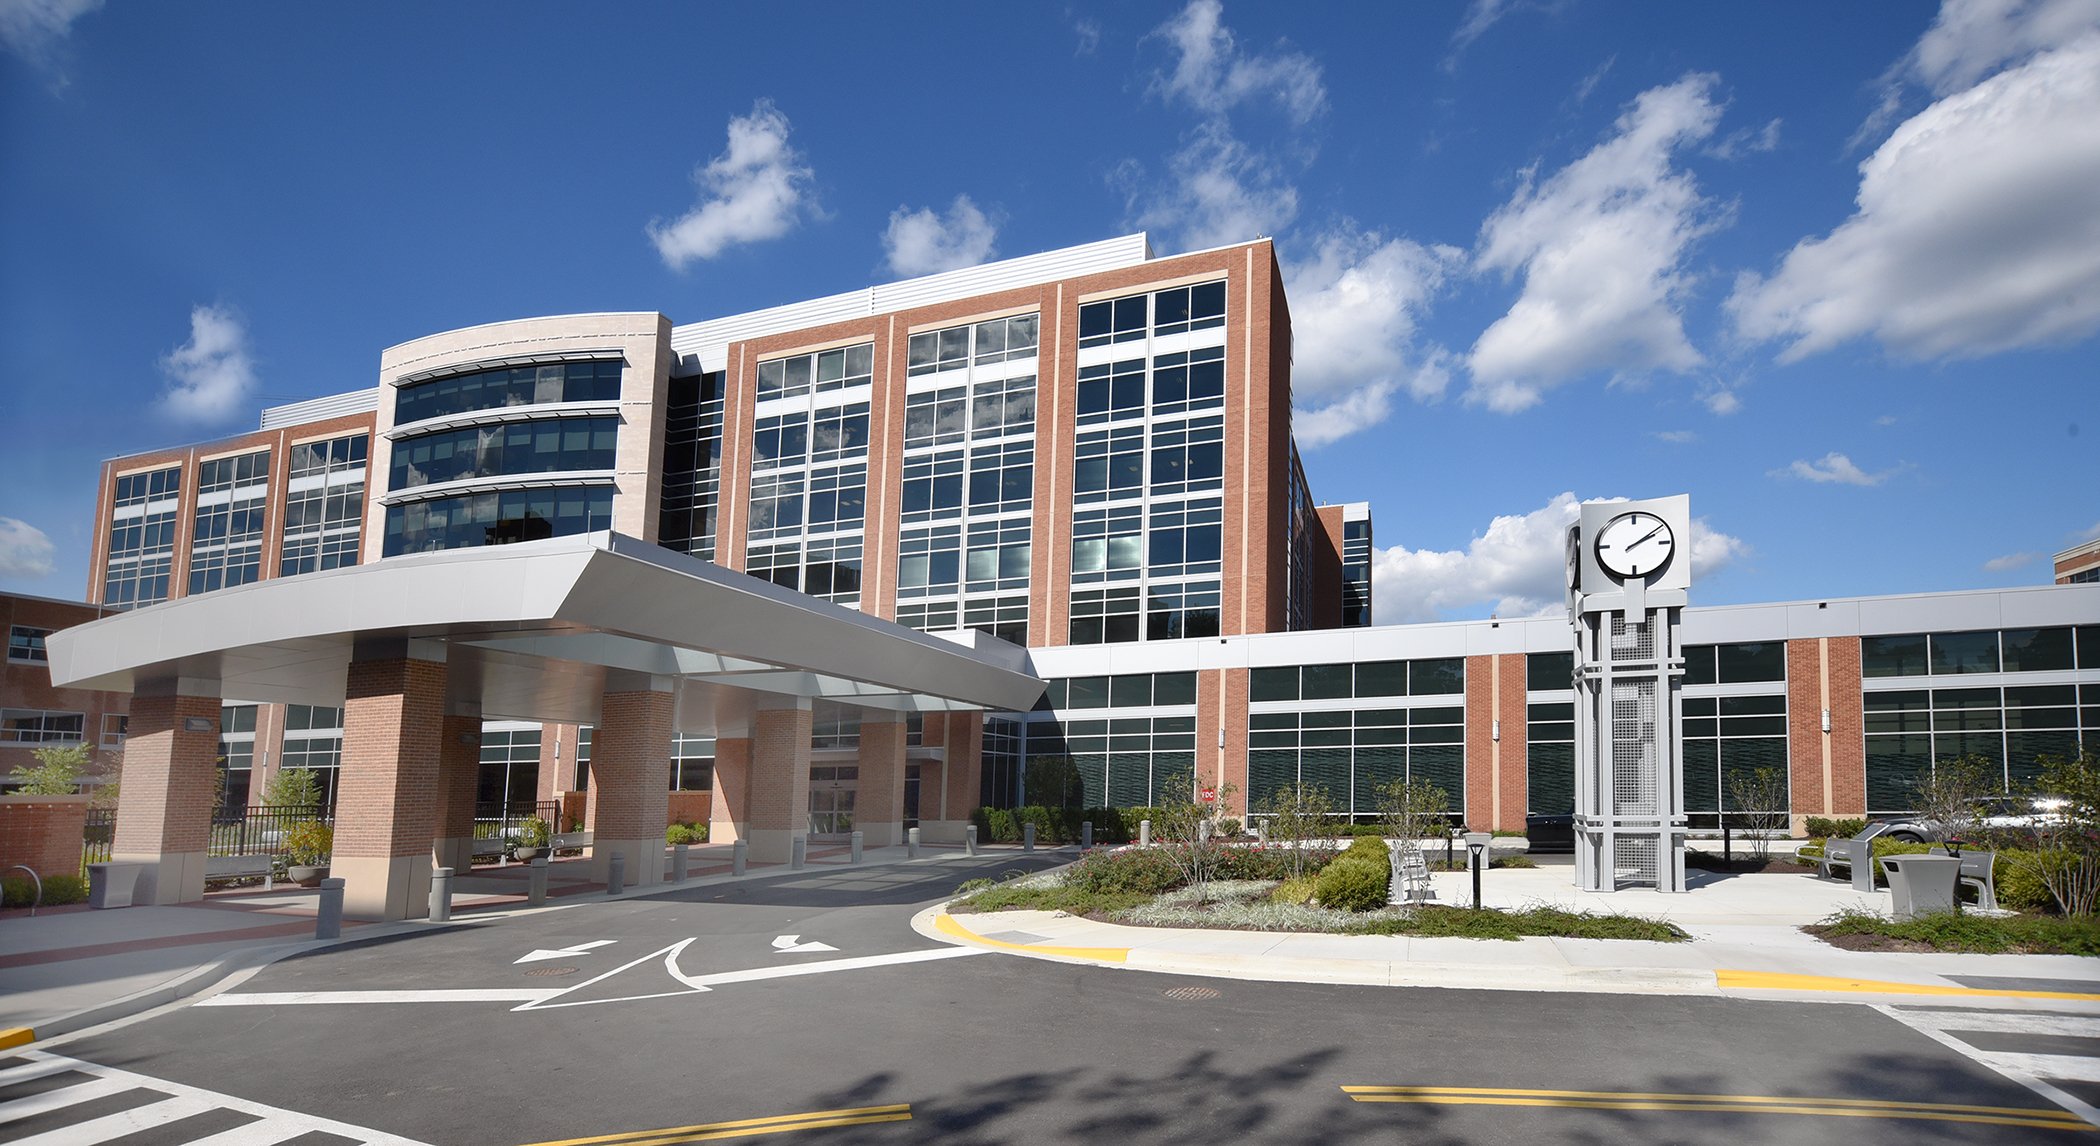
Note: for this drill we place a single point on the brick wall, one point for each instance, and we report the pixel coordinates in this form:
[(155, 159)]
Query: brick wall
[(1515, 786), (459, 766), (1826, 772), (1478, 799), (170, 775), (393, 735), (43, 832), (732, 793), (881, 795), (779, 784), (689, 808), (631, 765), (964, 774)]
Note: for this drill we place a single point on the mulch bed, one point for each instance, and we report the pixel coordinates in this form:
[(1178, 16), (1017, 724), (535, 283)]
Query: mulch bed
[(1872, 942), (1744, 865)]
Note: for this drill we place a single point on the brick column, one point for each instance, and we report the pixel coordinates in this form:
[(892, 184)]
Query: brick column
[(729, 817), (945, 807), (779, 793), (1477, 797), (631, 784), (1512, 759), (164, 814), (1826, 771), (878, 807), (386, 803), (459, 766)]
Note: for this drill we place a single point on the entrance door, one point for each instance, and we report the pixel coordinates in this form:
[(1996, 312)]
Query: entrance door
[(911, 795), (831, 794)]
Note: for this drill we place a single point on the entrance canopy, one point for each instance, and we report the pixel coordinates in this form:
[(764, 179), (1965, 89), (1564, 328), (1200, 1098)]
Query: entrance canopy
[(538, 631)]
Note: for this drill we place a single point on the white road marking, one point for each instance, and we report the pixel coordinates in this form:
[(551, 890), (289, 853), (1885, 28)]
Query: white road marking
[(540, 999), (274, 1124), (564, 952), (2009, 1022), (29, 1070), (2027, 1070), (121, 1123), (787, 945)]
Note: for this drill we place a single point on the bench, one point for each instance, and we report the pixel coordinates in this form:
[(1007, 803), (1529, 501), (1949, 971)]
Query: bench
[(489, 846), (567, 841), (259, 866), (1978, 870), (1857, 854)]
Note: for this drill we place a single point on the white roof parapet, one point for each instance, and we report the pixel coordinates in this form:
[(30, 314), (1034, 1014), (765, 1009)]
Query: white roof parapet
[(316, 409), (706, 343)]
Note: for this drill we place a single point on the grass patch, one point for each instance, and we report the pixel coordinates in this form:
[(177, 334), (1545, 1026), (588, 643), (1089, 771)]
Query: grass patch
[(1045, 892), (1983, 934), (1431, 921)]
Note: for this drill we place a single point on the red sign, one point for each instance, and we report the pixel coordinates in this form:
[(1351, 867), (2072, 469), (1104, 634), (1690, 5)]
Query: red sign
[(1208, 795)]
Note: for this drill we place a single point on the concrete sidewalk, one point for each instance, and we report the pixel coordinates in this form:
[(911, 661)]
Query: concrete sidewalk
[(69, 968), (1746, 942)]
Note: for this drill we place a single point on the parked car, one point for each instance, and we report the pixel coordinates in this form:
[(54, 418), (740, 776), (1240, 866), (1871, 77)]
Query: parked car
[(1993, 813)]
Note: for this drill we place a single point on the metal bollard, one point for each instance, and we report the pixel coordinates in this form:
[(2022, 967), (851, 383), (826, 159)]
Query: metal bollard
[(798, 853), (616, 874), (856, 847), (1727, 843), (441, 895), (1202, 831), (911, 843), (1027, 837), (739, 855), (536, 883), (1086, 834), (680, 863), (328, 922), (969, 839), (1144, 833)]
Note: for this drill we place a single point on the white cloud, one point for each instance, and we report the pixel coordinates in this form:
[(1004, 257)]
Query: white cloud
[(1480, 16), (1212, 74), (1602, 246), (758, 189), (1677, 437), (2010, 562), (1886, 420), (1977, 230), (1589, 83), (1971, 38), (2091, 534), (1222, 192), (922, 242), (1089, 32), (1721, 403), (25, 551), (1832, 467), (213, 373), (1516, 568), (1354, 310), (32, 29), (1747, 141)]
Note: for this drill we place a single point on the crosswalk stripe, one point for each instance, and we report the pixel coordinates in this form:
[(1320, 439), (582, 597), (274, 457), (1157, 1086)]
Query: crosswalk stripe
[(2009, 1065), (2009, 1022), (2067, 1067), (266, 1132), (61, 1098), (29, 1070), (119, 1124)]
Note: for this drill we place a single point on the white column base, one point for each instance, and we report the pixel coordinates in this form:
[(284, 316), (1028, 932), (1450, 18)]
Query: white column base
[(944, 831), (771, 845), (383, 887), (456, 853), (169, 877), (642, 866)]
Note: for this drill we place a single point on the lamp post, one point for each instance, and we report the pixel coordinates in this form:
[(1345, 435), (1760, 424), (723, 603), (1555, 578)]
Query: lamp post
[(1476, 858)]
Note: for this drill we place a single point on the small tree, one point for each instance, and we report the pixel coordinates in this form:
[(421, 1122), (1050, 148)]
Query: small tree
[(1757, 802), (57, 771), (1184, 825), (293, 788), (1298, 814), (1411, 809), (2066, 851), (1953, 792)]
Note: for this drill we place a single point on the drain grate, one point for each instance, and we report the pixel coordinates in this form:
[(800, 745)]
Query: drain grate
[(1191, 994), (539, 972)]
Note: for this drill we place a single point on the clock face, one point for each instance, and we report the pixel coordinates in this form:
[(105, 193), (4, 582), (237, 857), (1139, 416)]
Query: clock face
[(1635, 545)]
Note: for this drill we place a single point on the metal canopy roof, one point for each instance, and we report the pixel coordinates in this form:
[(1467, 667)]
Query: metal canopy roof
[(537, 630)]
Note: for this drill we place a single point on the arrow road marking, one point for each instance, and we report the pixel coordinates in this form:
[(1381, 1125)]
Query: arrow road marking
[(786, 945), (564, 952), (670, 958)]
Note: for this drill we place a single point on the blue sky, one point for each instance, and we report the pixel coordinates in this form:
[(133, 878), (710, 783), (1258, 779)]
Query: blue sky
[(1833, 270)]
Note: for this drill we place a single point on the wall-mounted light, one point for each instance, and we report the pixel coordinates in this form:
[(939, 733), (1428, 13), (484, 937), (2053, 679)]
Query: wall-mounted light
[(1826, 720), (198, 724), (1495, 732), (1221, 736)]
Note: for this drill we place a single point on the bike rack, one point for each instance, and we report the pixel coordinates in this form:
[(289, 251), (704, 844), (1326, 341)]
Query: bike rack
[(38, 880)]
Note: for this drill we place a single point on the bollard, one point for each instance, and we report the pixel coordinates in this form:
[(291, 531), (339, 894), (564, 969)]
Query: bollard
[(739, 854), (536, 883), (1202, 831), (1727, 844), (911, 843), (441, 895), (1144, 833), (970, 839), (328, 921), (798, 852), (856, 847), (1027, 837), (680, 863), (616, 874), (1086, 834)]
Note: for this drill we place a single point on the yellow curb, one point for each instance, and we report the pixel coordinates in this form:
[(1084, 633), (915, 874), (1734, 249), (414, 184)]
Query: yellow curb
[(947, 925), (1775, 981), (16, 1037)]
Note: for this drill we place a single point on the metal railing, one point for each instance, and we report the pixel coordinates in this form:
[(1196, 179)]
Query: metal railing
[(97, 836), (501, 821), (260, 830)]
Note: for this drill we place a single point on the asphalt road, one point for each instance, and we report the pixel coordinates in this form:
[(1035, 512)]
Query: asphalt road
[(987, 1048)]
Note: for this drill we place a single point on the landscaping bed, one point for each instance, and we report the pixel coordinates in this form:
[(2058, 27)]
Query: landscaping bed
[(1983, 934)]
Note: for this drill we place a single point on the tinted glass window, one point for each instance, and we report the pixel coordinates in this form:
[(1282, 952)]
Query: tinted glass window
[(1549, 672), (1699, 665), (1893, 656), (1381, 678), (1964, 652), (1273, 684), (1174, 688), (1433, 677), (1764, 660), (1326, 682), (2037, 650)]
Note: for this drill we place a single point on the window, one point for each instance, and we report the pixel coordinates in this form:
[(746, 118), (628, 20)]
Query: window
[(1549, 745), (226, 533), (1186, 538), (692, 763), (1189, 308), (496, 518), (237, 758), (1735, 664), (1351, 754), (1116, 762), (1110, 465), (324, 508), (1188, 456), (510, 770), (1909, 732), (553, 445), (1184, 382), (115, 726), (313, 739), (1111, 391), (1438, 676), (1726, 739), (26, 645), (1104, 616), (1107, 544), (692, 482), (1117, 320), (1964, 653), (1982, 651), (35, 726), (507, 386), (1549, 672), (142, 538), (1173, 612)]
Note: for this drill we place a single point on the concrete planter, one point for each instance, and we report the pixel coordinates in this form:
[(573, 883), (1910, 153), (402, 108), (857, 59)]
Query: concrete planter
[(306, 875)]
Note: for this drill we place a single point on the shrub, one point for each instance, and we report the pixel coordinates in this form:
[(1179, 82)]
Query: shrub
[(20, 890), (57, 772), (532, 832), (1514, 861), (308, 843), (1295, 890), (1360, 879), (1884, 846), (1823, 827), (970, 886), (685, 833), (1228, 827), (1146, 871)]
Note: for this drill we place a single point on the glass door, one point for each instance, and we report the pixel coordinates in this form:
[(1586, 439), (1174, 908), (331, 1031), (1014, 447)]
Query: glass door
[(911, 795), (831, 795)]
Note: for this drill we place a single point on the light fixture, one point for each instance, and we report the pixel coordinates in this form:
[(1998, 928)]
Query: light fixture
[(1476, 858)]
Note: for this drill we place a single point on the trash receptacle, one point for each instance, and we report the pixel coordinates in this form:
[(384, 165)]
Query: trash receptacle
[(1921, 884)]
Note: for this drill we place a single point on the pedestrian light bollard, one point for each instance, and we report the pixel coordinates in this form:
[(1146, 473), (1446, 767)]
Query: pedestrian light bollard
[(536, 882), (1144, 833), (441, 895), (739, 856), (1476, 858), (1027, 837), (969, 839), (616, 874), (681, 863), (798, 853), (911, 843), (328, 921), (1086, 834), (856, 847)]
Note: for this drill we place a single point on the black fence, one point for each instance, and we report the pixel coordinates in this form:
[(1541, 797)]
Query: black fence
[(260, 830), (501, 821), (100, 832)]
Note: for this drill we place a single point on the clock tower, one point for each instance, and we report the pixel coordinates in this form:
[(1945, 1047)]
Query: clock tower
[(1629, 579)]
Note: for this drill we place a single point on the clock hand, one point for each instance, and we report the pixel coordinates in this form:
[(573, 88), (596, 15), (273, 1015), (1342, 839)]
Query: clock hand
[(1658, 529)]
